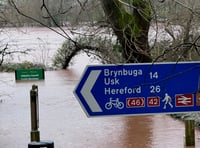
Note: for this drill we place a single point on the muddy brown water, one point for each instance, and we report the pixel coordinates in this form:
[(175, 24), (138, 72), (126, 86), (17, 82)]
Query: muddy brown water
[(63, 121)]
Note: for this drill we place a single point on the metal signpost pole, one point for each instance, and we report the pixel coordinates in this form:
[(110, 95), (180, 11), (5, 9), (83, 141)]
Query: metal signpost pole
[(189, 132), (35, 134)]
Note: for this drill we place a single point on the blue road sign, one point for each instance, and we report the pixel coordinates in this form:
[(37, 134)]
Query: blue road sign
[(136, 89)]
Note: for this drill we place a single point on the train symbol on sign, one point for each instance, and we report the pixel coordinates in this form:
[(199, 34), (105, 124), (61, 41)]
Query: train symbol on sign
[(114, 103), (184, 100)]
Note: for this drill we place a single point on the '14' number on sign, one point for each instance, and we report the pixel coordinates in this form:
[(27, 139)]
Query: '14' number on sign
[(153, 75)]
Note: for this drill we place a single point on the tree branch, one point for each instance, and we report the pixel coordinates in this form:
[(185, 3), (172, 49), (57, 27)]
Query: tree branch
[(4, 52)]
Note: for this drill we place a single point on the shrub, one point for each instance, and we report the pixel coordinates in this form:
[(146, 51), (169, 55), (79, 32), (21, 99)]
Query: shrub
[(102, 48), (10, 67)]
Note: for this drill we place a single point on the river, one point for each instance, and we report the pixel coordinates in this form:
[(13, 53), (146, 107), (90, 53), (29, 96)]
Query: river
[(63, 121)]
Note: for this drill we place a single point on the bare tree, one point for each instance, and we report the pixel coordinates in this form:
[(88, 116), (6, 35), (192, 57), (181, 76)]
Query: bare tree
[(4, 52), (130, 21), (180, 21)]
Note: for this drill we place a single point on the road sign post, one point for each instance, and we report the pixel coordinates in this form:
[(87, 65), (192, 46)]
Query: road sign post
[(189, 132), (136, 89)]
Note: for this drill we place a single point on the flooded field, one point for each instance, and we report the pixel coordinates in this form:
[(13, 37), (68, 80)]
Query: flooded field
[(63, 121)]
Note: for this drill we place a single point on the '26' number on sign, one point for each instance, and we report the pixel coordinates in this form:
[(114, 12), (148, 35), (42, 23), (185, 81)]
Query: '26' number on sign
[(155, 89)]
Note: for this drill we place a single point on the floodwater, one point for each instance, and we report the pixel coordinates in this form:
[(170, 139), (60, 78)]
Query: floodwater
[(62, 120)]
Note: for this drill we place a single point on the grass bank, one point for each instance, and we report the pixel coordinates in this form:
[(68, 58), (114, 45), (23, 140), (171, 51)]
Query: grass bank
[(11, 67)]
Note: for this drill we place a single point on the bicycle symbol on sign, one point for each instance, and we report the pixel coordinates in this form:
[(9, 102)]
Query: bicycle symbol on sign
[(114, 102)]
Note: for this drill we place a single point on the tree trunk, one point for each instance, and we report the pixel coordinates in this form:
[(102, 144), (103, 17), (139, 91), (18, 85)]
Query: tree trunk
[(130, 23)]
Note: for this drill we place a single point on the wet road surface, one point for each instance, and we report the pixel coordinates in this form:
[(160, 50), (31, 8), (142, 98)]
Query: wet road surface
[(63, 121)]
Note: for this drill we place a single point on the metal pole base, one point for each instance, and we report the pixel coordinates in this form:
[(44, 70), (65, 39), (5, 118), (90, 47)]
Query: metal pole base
[(35, 135), (41, 144)]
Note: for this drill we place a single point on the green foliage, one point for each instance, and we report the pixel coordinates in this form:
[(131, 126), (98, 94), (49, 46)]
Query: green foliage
[(102, 49), (62, 54), (10, 67)]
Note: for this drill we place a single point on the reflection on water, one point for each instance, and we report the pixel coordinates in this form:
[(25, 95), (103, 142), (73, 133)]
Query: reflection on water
[(137, 131), (169, 134)]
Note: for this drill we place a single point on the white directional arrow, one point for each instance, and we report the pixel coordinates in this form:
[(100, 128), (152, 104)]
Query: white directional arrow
[(86, 91)]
